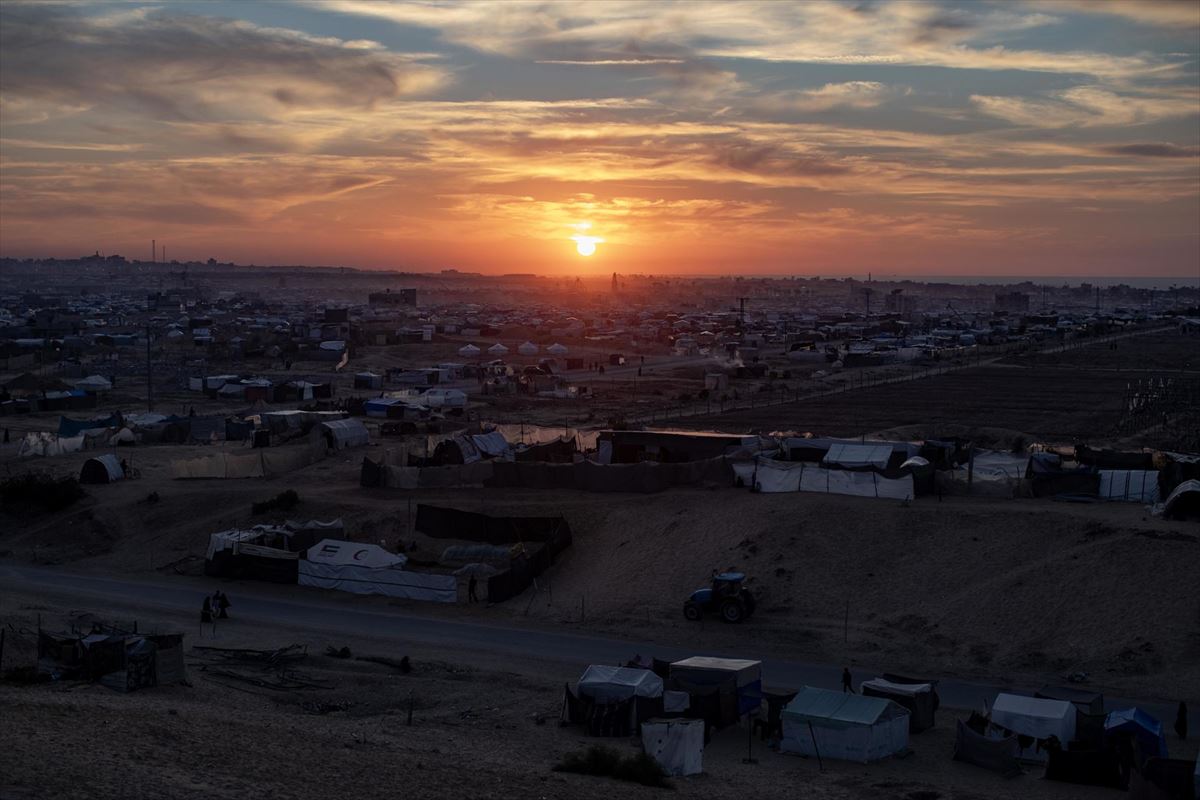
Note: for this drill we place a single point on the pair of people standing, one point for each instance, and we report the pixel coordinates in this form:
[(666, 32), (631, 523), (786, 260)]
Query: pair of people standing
[(215, 607)]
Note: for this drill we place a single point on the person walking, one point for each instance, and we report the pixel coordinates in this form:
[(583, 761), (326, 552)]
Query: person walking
[(206, 612), (471, 585), (223, 605), (1181, 722), (847, 681)]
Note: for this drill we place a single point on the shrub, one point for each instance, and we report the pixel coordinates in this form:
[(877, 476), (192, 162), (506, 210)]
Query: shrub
[(606, 762)]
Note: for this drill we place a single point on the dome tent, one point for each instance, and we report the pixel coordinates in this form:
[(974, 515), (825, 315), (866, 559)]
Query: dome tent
[(497, 349), (528, 349), (557, 349), (469, 351)]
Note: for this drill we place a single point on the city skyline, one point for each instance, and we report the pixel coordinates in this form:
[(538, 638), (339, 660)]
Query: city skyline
[(999, 139)]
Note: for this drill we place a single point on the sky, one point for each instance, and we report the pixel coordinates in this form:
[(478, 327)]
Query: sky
[(807, 138)]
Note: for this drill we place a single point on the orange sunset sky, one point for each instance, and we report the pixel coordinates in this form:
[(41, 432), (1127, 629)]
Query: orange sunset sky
[(990, 138)]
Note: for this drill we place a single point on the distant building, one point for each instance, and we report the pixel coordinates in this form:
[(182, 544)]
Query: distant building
[(403, 297), (897, 302), (1012, 301)]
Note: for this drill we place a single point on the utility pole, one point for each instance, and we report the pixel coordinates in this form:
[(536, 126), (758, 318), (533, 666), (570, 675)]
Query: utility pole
[(149, 383)]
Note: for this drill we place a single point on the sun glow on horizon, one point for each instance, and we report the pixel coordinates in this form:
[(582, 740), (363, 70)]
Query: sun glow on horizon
[(585, 245)]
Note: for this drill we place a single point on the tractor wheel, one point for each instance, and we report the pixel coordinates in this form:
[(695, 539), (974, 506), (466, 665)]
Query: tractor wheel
[(692, 612), (732, 611)]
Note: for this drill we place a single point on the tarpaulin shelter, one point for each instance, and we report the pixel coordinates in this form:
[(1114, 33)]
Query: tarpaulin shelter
[(1134, 486), (918, 698), (1034, 720), (73, 427), (771, 476), (612, 701), (721, 690), (676, 744), (342, 433), (104, 468), (996, 754), (1184, 501), (363, 568), (1145, 730), (843, 726), (858, 455)]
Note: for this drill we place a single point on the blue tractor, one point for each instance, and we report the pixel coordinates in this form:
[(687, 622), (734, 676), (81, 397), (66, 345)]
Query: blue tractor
[(727, 597)]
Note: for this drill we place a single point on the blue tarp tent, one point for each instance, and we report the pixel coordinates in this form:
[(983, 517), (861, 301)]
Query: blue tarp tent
[(1145, 729)]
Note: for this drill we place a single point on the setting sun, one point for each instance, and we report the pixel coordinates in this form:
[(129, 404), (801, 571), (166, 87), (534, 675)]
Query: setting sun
[(585, 245)]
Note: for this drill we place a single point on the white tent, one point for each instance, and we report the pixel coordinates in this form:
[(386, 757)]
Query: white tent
[(468, 351), (858, 455), (1035, 717), (798, 476), (605, 684), (337, 551), (557, 349), (676, 744), (844, 726), (497, 349), (528, 349)]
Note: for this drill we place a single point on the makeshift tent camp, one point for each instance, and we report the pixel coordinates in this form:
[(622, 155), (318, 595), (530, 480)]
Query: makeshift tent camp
[(1145, 730), (676, 744), (844, 726), (771, 475), (605, 684), (101, 469), (469, 351), (94, 383), (918, 698), (342, 433), (998, 755), (1035, 719)]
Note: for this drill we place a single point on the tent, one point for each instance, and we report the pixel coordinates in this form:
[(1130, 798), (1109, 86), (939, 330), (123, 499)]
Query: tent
[(497, 349), (362, 568), (1035, 718), (469, 351), (528, 349), (998, 755), (342, 433), (101, 469), (918, 698), (1130, 485), (676, 744), (720, 689), (1145, 730), (858, 455), (1184, 501), (557, 349), (605, 684), (844, 726), (94, 383)]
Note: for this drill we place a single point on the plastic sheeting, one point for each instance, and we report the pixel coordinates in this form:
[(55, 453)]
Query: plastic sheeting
[(606, 684), (676, 744), (388, 582), (843, 726), (798, 476), (859, 455), (1036, 718), (362, 554), (1130, 485)]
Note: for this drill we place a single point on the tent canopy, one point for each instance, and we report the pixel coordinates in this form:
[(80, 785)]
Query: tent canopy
[(859, 455), (1144, 728), (361, 554), (104, 468), (838, 709), (344, 433), (606, 684), (1035, 717)]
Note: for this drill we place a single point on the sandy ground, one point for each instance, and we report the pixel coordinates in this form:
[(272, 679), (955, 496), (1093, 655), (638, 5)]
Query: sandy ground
[(475, 733)]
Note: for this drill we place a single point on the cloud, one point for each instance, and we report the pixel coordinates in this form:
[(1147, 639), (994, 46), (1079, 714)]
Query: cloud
[(1158, 13), (176, 67), (1085, 106), (1152, 150), (851, 94)]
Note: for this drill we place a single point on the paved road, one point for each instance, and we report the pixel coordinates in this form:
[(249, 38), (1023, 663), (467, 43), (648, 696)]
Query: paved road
[(313, 612)]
